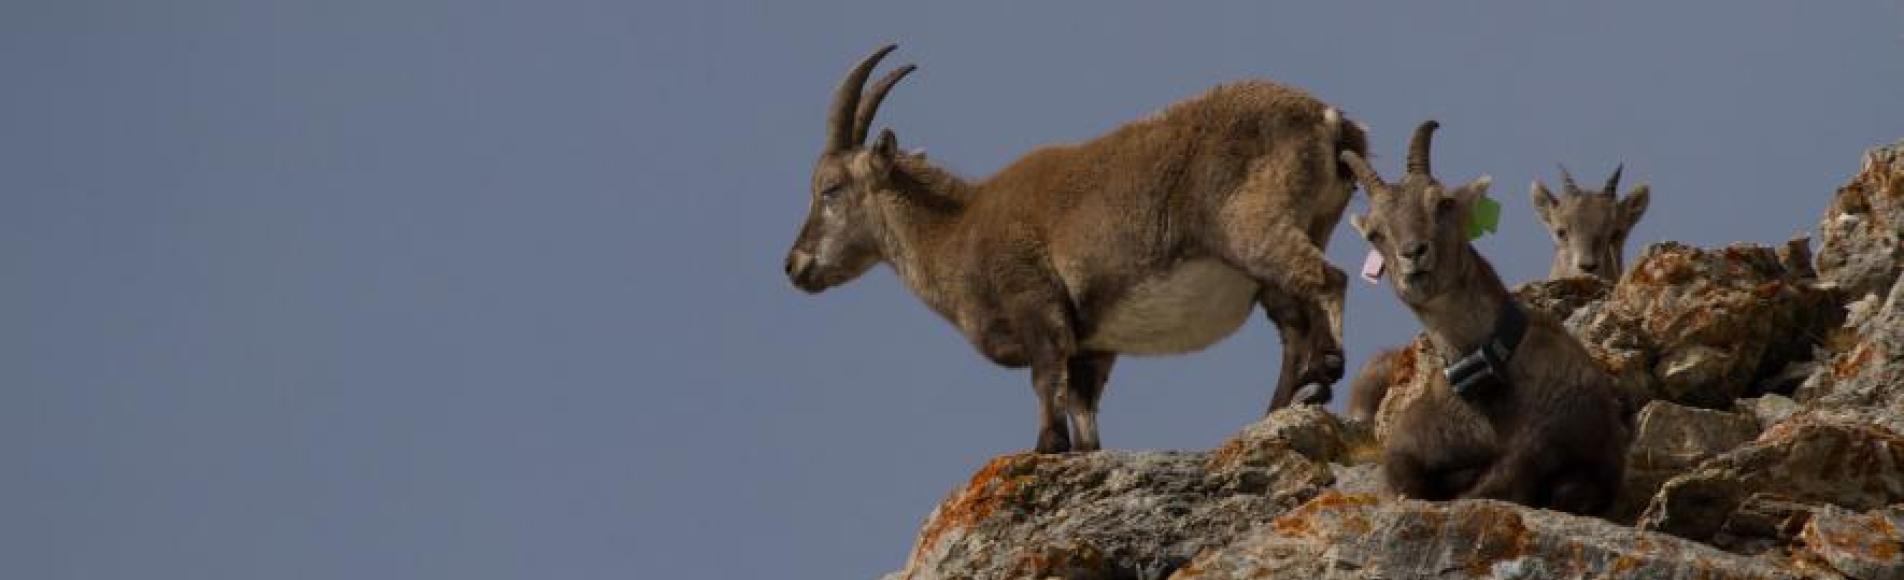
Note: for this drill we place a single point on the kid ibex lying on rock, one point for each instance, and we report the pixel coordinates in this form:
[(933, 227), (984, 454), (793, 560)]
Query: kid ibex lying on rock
[(1157, 238), (1558, 440), (1589, 230), (1589, 227)]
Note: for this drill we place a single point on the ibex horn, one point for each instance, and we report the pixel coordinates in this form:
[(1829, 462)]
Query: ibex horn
[(1418, 148), (846, 101), (869, 104), (1566, 180), (1613, 183)]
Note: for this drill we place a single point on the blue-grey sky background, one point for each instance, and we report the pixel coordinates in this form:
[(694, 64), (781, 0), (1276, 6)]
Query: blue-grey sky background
[(481, 289)]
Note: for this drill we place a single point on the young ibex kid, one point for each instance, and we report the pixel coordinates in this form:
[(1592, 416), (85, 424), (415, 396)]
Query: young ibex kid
[(1589, 227), (1159, 237), (1559, 441)]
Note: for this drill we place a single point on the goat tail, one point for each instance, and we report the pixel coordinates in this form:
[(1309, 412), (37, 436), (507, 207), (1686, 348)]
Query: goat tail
[(1370, 385), (1348, 136)]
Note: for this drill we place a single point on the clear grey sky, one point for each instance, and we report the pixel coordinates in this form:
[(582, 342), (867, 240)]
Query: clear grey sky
[(430, 289)]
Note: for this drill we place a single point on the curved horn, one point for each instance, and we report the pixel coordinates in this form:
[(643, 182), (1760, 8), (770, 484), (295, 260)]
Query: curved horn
[(846, 100), (869, 104), (1363, 173), (1613, 183), (1566, 180), (1418, 148)]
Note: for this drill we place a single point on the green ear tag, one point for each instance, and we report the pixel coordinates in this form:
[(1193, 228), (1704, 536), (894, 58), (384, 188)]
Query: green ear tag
[(1485, 218)]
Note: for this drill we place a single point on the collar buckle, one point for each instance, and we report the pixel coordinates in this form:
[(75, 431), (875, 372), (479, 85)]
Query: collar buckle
[(1485, 369)]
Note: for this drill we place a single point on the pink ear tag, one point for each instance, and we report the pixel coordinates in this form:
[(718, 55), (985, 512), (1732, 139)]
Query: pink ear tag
[(1372, 267)]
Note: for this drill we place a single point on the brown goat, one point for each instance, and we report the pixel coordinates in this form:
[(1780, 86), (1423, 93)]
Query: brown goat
[(1558, 440), (1156, 238), (1589, 227)]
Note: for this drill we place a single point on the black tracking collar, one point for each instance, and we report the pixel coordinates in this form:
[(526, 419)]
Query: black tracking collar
[(1485, 369)]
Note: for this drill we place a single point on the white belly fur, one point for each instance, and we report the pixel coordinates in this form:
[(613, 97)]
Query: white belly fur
[(1187, 309)]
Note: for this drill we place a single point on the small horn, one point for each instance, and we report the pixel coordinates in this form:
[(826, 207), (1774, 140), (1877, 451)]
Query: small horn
[(1418, 148), (869, 104), (1566, 180), (1613, 183), (1363, 173), (846, 100)]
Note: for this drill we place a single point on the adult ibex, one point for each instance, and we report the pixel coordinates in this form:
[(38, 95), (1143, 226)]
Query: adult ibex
[(1157, 238), (1557, 438), (1589, 227)]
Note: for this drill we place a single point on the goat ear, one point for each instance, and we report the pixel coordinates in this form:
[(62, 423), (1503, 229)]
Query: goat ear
[(1360, 223), (887, 146), (1633, 206), (877, 161), (1544, 201), (1467, 194)]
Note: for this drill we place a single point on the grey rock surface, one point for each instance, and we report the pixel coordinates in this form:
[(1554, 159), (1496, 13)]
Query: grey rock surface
[(1806, 458), (1707, 325), (1671, 439), (1861, 237), (1118, 514), (1361, 536)]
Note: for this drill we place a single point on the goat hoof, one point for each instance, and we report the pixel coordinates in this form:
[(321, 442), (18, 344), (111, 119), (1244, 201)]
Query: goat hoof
[(1333, 366), (1313, 394), (1053, 441)]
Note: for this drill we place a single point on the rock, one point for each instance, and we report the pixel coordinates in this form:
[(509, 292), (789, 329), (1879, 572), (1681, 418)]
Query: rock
[(1306, 429), (1880, 418), (1865, 546), (1861, 245), (1707, 325), (1359, 536), (1868, 369), (1768, 409), (1558, 299), (1670, 439), (1763, 523), (1796, 257), (1364, 478), (1807, 459), (1127, 514), (1415, 368)]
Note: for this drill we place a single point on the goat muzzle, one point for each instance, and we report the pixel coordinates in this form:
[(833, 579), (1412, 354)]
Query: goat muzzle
[(799, 269)]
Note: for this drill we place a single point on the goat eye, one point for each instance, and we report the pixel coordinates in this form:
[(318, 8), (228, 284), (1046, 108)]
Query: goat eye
[(1375, 236), (1561, 233), (830, 192)]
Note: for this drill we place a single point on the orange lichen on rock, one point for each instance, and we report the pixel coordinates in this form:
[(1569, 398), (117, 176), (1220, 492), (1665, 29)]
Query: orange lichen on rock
[(1850, 364), (1328, 504), (993, 485)]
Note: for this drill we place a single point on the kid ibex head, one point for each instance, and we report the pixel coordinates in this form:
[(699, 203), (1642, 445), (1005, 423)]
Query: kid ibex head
[(1419, 227), (838, 241), (1589, 227)]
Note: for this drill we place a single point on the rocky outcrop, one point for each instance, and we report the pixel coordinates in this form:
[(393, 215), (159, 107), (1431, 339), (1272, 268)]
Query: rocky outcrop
[(1704, 327), (1559, 299), (1126, 514), (1805, 459), (1767, 392), (1867, 545), (1868, 368), (1861, 238), (1362, 536), (1670, 439)]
